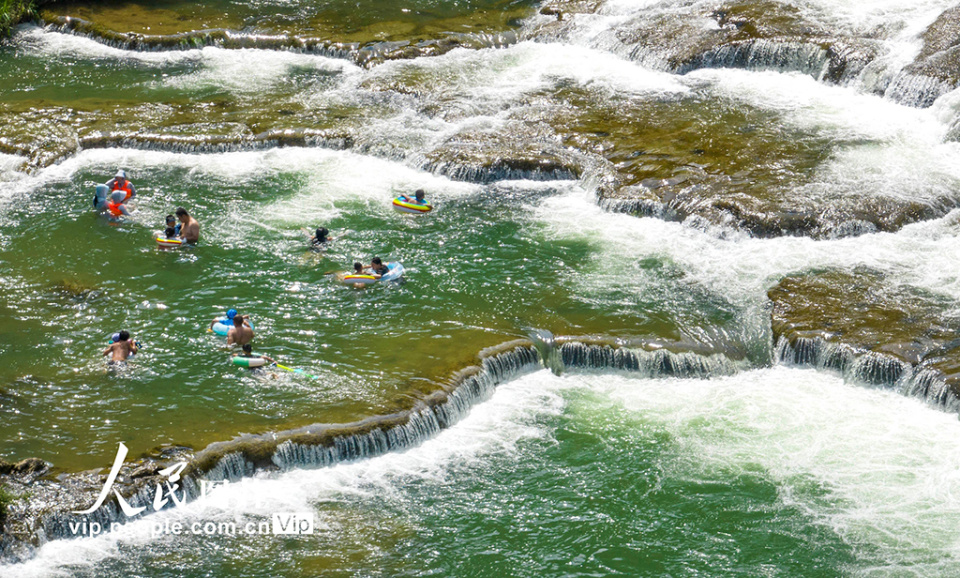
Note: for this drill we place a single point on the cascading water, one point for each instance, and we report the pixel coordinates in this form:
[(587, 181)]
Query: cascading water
[(723, 223)]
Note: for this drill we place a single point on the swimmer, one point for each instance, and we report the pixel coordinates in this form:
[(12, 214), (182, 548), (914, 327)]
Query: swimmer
[(231, 315), (321, 236), (122, 348), (115, 205), (190, 228), (120, 183), (240, 334), (171, 223), (358, 270), (418, 198), (377, 268)]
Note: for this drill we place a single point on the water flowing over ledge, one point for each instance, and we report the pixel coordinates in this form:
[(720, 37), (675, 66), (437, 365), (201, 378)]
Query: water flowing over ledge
[(45, 514), (769, 36), (871, 368), (871, 331), (362, 54)]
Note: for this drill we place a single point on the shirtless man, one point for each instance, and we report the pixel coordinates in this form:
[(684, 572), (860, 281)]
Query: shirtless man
[(240, 334), (189, 227), (122, 348)]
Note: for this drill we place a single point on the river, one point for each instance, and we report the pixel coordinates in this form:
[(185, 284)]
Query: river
[(744, 466)]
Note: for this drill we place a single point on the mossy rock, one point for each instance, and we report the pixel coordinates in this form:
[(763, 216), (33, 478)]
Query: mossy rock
[(514, 153), (897, 330), (862, 310)]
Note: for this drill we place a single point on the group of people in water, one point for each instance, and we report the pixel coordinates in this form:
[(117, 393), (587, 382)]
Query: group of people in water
[(113, 195), (182, 226)]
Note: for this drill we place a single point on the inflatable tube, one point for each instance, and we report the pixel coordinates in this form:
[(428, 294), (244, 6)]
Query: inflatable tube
[(222, 326), (364, 279), (100, 197), (169, 243), (411, 207), (244, 361), (394, 271)]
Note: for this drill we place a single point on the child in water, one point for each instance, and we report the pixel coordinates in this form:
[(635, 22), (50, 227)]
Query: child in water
[(172, 224), (320, 237)]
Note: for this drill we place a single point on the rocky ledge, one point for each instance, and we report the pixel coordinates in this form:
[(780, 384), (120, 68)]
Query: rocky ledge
[(871, 329)]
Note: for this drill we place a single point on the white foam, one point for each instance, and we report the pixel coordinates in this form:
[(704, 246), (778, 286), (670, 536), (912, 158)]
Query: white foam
[(494, 427), (251, 71), (889, 466), (351, 177), (743, 268), (328, 177), (886, 468), (491, 79), (241, 71), (52, 45), (864, 16)]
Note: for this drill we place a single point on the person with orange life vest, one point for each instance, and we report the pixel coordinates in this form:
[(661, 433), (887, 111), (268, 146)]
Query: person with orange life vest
[(120, 183), (115, 205)]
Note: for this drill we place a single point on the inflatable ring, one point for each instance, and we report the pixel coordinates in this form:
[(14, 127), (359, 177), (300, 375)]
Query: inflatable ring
[(411, 207), (394, 271), (364, 279), (244, 361), (170, 243), (223, 326)]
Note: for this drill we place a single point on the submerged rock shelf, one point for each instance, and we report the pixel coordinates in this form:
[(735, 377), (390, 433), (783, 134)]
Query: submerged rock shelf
[(44, 511)]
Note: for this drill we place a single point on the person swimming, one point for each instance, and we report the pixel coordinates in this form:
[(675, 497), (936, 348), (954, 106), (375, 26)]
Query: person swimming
[(418, 197), (321, 236), (120, 183), (378, 268), (190, 230), (115, 205), (121, 348)]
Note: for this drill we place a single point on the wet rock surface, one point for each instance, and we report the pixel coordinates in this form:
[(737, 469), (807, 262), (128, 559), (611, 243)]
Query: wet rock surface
[(43, 497), (936, 69), (699, 160), (759, 36), (486, 156), (328, 29), (837, 318)]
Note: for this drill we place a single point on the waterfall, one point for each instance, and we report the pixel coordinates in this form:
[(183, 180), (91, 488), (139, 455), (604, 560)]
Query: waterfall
[(197, 39), (498, 170), (806, 57), (916, 90), (323, 445), (656, 363), (870, 368)]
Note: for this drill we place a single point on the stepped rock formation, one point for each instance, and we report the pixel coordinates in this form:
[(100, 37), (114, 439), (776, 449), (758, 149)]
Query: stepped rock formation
[(859, 323)]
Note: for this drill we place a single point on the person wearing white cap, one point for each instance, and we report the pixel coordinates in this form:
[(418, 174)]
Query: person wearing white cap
[(115, 205), (120, 183)]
